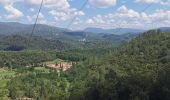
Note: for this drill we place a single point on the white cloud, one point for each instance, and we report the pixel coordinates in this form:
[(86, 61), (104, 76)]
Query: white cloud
[(129, 18), (122, 9), (102, 3), (59, 15), (96, 20), (5, 2), (79, 13), (32, 2), (160, 16), (124, 12), (50, 4), (165, 2), (148, 1), (41, 18), (13, 13), (77, 21), (162, 2), (90, 21), (32, 9), (60, 10), (29, 19)]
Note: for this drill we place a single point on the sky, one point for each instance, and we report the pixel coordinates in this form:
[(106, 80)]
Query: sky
[(107, 14)]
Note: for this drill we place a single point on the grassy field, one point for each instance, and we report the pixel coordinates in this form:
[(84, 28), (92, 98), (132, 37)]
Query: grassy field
[(5, 77)]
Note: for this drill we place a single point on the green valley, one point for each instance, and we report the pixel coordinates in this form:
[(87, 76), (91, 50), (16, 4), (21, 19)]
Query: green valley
[(137, 70)]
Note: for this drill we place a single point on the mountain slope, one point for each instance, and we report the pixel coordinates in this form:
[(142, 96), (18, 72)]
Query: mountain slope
[(24, 42), (165, 29), (10, 28), (139, 70)]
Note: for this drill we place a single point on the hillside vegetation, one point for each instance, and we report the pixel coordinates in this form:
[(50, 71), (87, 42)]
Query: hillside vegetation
[(17, 37), (26, 42), (25, 58), (138, 70)]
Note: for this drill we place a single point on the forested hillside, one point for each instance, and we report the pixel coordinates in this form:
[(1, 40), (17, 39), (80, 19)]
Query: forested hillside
[(22, 42), (138, 70), (26, 42), (25, 58)]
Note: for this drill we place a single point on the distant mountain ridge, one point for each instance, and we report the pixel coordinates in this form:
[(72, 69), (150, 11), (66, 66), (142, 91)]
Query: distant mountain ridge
[(15, 35), (12, 28), (9, 28), (15, 27), (117, 31), (165, 29)]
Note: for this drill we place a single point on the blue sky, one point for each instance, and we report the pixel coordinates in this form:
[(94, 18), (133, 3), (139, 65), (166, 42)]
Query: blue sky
[(96, 13)]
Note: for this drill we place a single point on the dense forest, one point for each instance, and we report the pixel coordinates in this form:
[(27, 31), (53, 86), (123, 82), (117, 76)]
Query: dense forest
[(137, 70), (18, 42), (25, 58)]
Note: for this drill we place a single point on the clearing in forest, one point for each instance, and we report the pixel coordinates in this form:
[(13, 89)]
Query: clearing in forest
[(59, 64)]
